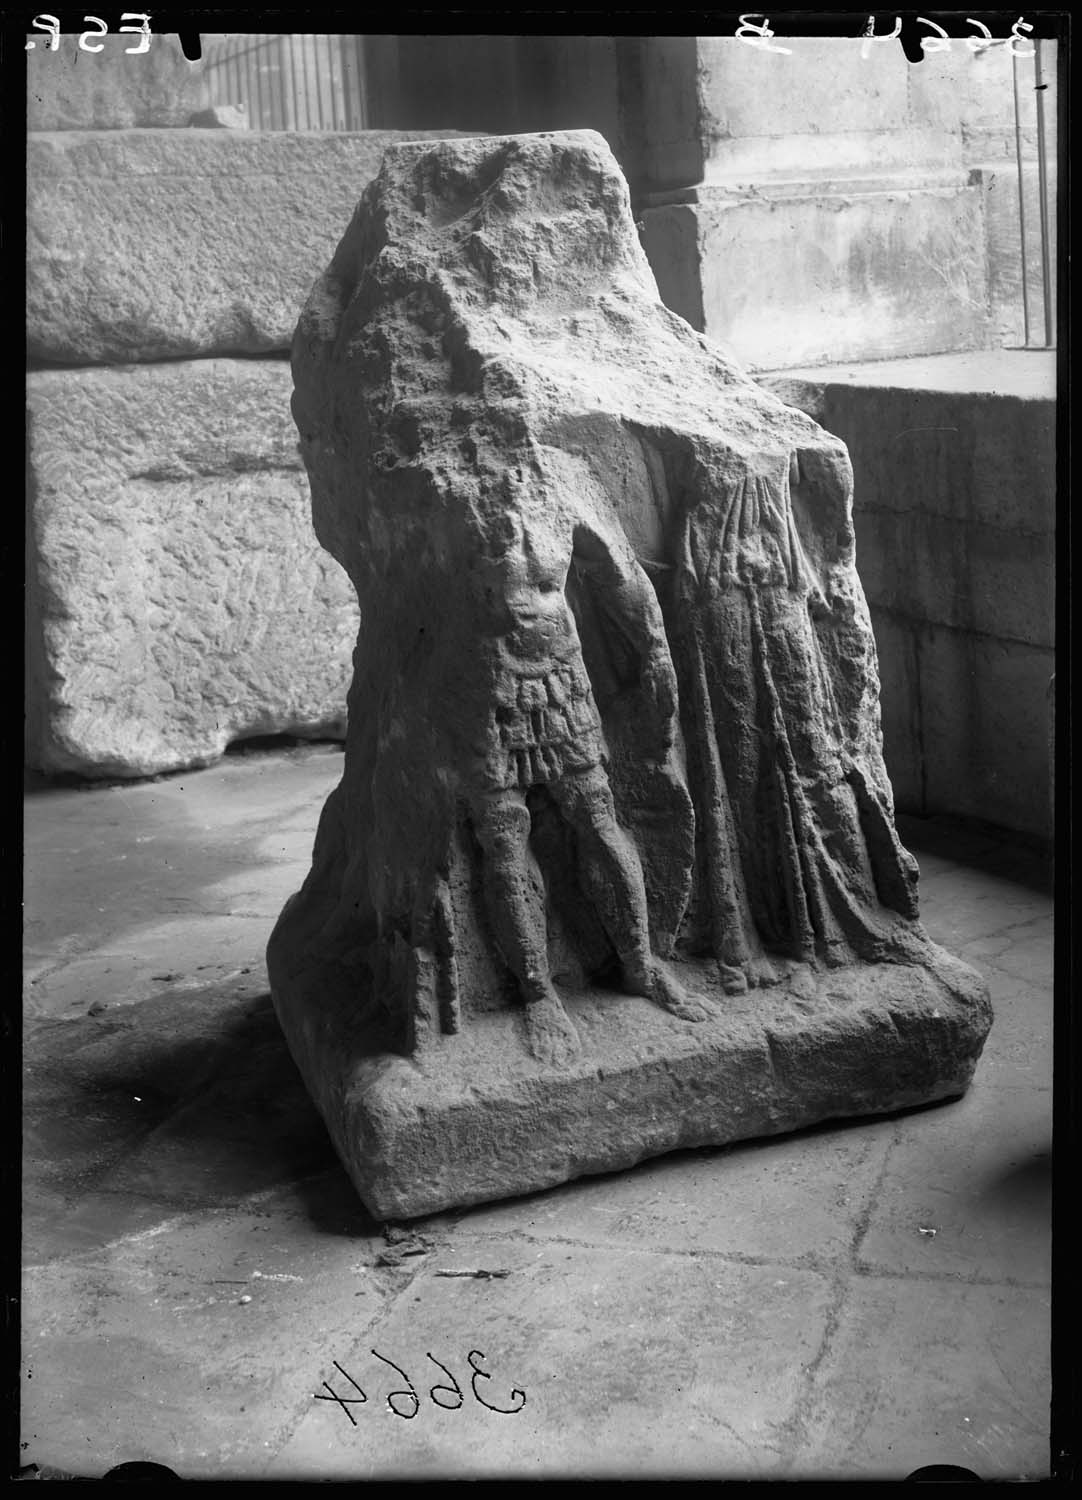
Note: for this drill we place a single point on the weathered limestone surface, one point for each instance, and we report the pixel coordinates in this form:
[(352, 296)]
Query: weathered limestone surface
[(158, 244), (177, 599), (114, 89), (612, 867)]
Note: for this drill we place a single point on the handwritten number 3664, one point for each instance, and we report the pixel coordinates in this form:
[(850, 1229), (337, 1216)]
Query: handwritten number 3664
[(406, 1403)]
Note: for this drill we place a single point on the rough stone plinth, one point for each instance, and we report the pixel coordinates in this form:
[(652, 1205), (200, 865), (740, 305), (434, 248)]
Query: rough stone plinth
[(480, 1120), (177, 599), (117, 88), (160, 244), (612, 868)]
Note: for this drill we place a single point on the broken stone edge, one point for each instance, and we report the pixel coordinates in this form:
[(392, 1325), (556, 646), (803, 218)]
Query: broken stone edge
[(476, 1119)]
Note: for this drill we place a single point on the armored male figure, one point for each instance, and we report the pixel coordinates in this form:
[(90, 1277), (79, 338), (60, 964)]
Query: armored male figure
[(543, 729)]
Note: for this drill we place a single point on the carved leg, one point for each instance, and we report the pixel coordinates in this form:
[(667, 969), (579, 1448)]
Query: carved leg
[(502, 825), (613, 876)]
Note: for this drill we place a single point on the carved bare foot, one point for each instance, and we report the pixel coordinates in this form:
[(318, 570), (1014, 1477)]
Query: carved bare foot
[(659, 985), (733, 980), (551, 1035)]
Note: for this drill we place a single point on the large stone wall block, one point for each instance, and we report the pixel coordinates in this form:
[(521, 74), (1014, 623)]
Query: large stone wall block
[(162, 244), (873, 273), (827, 87), (982, 457), (713, 115), (994, 581), (612, 868), (177, 598), (999, 183), (116, 88), (984, 717), (843, 113), (966, 723)]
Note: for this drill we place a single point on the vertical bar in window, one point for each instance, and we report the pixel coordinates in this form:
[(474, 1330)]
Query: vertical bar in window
[(1042, 182), (290, 45), (349, 111), (361, 63), (321, 120), (281, 108), (330, 82), (1021, 197), (311, 103), (257, 70)]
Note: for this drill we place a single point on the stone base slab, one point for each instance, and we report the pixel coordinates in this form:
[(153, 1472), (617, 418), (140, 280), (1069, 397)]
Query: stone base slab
[(474, 1118)]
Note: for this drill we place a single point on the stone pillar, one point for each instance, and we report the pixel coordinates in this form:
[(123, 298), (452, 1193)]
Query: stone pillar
[(979, 92), (814, 206)]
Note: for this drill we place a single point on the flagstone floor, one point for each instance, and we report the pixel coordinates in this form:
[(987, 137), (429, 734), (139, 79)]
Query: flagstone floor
[(200, 1283)]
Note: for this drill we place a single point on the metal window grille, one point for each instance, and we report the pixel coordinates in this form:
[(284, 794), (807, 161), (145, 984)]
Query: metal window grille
[(1035, 220), (291, 82)]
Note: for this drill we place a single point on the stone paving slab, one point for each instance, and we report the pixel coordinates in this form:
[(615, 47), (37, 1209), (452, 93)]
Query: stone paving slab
[(132, 870), (1028, 374), (155, 1325), (961, 1191), (818, 1183), (186, 1099), (971, 907), (631, 1362), (867, 1362), (133, 968), (921, 1373), (1022, 1056)]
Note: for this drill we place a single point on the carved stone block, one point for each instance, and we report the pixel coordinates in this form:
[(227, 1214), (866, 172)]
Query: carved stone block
[(131, 257), (612, 868), (176, 598)]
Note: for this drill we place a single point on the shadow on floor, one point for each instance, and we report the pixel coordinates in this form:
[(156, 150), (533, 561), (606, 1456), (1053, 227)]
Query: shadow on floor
[(981, 846), (188, 1099)]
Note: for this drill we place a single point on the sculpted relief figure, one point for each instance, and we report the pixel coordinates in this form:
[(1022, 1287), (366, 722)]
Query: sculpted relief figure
[(614, 781), (543, 730)]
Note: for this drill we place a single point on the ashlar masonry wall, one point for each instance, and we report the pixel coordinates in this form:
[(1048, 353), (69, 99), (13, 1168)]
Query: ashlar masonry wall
[(177, 597)]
